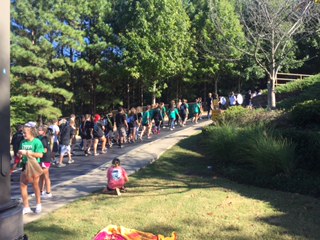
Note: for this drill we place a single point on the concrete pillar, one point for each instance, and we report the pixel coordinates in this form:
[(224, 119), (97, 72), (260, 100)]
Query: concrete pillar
[(11, 223)]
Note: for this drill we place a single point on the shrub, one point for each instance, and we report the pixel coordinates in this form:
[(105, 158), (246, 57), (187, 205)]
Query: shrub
[(307, 148), (306, 113), (220, 142), (268, 154), (242, 117), (298, 92)]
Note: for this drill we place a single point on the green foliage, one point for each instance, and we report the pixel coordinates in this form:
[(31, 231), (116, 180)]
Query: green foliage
[(242, 117), (260, 148), (156, 41), (35, 87), (308, 148), (299, 91), (306, 113)]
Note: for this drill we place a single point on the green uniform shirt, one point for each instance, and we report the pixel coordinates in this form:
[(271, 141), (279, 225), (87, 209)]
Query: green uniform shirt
[(146, 118), (34, 146)]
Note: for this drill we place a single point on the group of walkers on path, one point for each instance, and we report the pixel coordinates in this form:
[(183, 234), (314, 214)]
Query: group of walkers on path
[(49, 144)]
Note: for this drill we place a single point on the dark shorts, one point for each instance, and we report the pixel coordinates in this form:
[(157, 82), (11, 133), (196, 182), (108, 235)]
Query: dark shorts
[(55, 147), (88, 137)]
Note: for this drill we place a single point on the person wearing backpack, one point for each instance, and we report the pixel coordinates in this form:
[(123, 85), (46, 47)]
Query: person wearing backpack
[(157, 116), (132, 124), (98, 135)]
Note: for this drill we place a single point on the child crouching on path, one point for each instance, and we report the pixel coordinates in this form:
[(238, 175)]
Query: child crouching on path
[(117, 177)]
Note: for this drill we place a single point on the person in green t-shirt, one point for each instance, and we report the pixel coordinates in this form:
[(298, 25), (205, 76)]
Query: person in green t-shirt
[(163, 113), (30, 147), (146, 123)]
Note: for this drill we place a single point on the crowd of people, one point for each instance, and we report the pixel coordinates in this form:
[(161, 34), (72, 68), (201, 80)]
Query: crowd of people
[(49, 144)]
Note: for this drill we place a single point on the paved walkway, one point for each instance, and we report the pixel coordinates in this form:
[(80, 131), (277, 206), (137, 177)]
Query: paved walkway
[(134, 159)]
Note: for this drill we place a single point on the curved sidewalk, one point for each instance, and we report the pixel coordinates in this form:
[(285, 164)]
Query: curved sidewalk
[(133, 160)]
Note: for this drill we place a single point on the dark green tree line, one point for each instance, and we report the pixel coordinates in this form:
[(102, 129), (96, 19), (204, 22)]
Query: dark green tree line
[(90, 56)]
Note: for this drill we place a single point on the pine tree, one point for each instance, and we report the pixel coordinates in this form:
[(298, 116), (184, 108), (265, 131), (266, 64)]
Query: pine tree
[(33, 77)]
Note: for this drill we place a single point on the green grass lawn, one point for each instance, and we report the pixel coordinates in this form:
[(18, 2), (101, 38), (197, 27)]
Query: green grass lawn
[(179, 193)]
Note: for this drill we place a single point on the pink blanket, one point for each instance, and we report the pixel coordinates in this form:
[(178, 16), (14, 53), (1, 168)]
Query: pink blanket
[(113, 232)]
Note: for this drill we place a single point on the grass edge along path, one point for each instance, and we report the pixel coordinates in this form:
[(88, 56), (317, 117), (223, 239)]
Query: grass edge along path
[(180, 193)]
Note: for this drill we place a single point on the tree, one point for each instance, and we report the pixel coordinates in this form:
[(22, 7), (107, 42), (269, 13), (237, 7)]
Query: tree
[(215, 58), (156, 41), (271, 27), (34, 79)]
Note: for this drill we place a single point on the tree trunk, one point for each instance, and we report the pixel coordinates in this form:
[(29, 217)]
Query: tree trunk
[(271, 93), (216, 85), (154, 92)]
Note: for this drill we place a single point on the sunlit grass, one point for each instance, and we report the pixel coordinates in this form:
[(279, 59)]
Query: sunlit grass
[(179, 193)]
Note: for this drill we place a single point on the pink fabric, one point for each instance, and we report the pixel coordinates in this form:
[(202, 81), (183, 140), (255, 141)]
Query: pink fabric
[(116, 177)]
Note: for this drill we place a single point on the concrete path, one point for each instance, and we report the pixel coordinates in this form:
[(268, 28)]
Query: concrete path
[(132, 159)]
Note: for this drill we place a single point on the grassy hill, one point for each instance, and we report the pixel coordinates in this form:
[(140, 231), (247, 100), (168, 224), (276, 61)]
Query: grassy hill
[(275, 149)]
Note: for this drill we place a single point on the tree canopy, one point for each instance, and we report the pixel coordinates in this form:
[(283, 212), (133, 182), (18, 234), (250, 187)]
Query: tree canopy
[(88, 56)]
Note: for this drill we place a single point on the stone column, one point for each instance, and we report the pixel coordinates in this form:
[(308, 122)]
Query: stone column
[(11, 223)]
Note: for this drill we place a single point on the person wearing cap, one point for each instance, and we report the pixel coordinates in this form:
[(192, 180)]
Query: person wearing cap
[(98, 134), (117, 177), (30, 147)]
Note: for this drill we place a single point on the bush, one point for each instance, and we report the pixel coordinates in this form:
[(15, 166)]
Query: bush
[(306, 113), (242, 117), (298, 92), (307, 148), (268, 154), (220, 142)]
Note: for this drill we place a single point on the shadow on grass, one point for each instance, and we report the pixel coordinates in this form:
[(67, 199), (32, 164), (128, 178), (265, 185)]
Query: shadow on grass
[(187, 168), (50, 232)]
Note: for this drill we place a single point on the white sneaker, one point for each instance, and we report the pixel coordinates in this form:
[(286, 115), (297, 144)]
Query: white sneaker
[(70, 161), (38, 208), (26, 211), (47, 195)]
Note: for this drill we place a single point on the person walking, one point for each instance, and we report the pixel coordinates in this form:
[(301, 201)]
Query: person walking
[(45, 181), (122, 125), (98, 135), (30, 147), (66, 133), (55, 130)]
